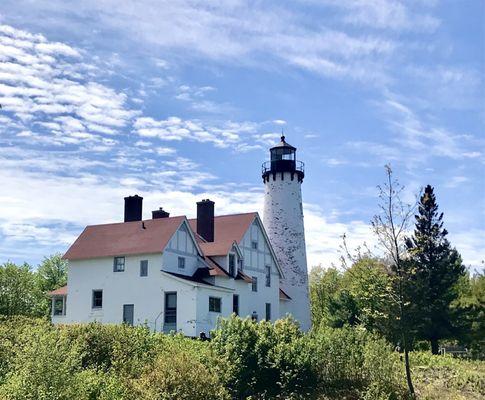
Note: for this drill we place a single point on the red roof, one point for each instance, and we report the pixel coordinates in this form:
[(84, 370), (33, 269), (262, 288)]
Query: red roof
[(152, 236), (215, 269), (227, 230), (138, 237), (283, 295), (62, 291)]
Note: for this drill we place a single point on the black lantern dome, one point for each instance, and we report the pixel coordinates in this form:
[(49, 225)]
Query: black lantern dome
[(283, 159)]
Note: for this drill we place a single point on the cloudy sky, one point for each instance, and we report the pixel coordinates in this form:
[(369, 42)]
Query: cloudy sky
[(180, 100)]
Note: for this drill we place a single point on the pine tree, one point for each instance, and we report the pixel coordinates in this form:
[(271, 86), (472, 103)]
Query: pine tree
[(438, 270)]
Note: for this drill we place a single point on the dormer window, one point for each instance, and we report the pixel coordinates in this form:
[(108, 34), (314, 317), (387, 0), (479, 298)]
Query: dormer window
[(119, 264), (232, 264)]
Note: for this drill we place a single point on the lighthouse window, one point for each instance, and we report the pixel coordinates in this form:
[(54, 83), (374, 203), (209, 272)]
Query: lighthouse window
[(254, 245)]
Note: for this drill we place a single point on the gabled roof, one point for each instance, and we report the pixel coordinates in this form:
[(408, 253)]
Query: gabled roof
[(138, 237), (227, 230), (283, 295), (214, 268), (62, 291)]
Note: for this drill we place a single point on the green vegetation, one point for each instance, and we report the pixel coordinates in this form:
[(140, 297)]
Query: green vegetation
[(244, 360), (438, 269), (23, 290), (448, 378)]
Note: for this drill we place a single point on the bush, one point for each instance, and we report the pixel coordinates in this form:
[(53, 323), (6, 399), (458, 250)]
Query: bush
[(355, 358), (264, 359), (12, 331), (244, 359), (184, 369), (118, 348), (42, 366)]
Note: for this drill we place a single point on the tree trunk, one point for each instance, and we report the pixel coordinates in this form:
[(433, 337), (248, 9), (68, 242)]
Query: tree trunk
[(408, 371), (434, 346)]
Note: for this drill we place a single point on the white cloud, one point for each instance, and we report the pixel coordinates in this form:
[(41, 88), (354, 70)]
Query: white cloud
[(247, 34), (39, 86), (279, 122), (385, 14), (414, 139), (177, 129), (455, 181)]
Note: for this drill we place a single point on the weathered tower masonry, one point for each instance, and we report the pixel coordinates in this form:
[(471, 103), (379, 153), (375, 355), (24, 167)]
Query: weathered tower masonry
[(283, 220)]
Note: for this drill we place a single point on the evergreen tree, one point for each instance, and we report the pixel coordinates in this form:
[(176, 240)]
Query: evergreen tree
[(438, 270)]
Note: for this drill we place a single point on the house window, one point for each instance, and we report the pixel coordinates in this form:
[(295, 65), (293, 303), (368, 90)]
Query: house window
[(144, 268), (119, 264), (215, 304), (240, 265), (254, 245), (255, 284), (97, 299), (268, 276), (58, 306), (181, 262), (232, 264), (268, 311), (235, 304), (170, 308)]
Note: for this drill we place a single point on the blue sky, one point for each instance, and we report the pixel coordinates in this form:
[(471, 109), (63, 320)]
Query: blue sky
[(179, 101)]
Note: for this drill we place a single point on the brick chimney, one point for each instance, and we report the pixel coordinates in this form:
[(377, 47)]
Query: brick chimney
[(205, 219), (160, 213), (133, 208)]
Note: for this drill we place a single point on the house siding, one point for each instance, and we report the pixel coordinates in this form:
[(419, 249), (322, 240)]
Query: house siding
[(255, 261)]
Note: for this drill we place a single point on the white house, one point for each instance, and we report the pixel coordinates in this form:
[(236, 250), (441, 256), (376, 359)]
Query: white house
[(175, 274)]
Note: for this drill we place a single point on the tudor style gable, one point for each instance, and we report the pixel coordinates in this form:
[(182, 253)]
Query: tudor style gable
[(257, 251), (182, 254)]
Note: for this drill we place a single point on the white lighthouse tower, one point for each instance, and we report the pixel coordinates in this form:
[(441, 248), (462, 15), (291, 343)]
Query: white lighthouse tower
[(283, 221)]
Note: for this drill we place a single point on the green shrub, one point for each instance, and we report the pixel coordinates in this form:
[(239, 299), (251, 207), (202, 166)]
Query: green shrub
[(244, 359), (12, 331), (119, 348), (184, 369), (264, 359), (42, 367), (354, 358)]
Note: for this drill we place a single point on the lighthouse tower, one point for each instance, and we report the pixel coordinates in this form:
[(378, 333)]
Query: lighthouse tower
[(283, 221)]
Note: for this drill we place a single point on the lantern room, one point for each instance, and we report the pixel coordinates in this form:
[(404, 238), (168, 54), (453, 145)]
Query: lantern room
[(283, 159)]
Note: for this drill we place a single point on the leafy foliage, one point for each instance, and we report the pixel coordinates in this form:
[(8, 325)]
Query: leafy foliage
[(20, 293), (245, 359), (23, 290), (52, 273)]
